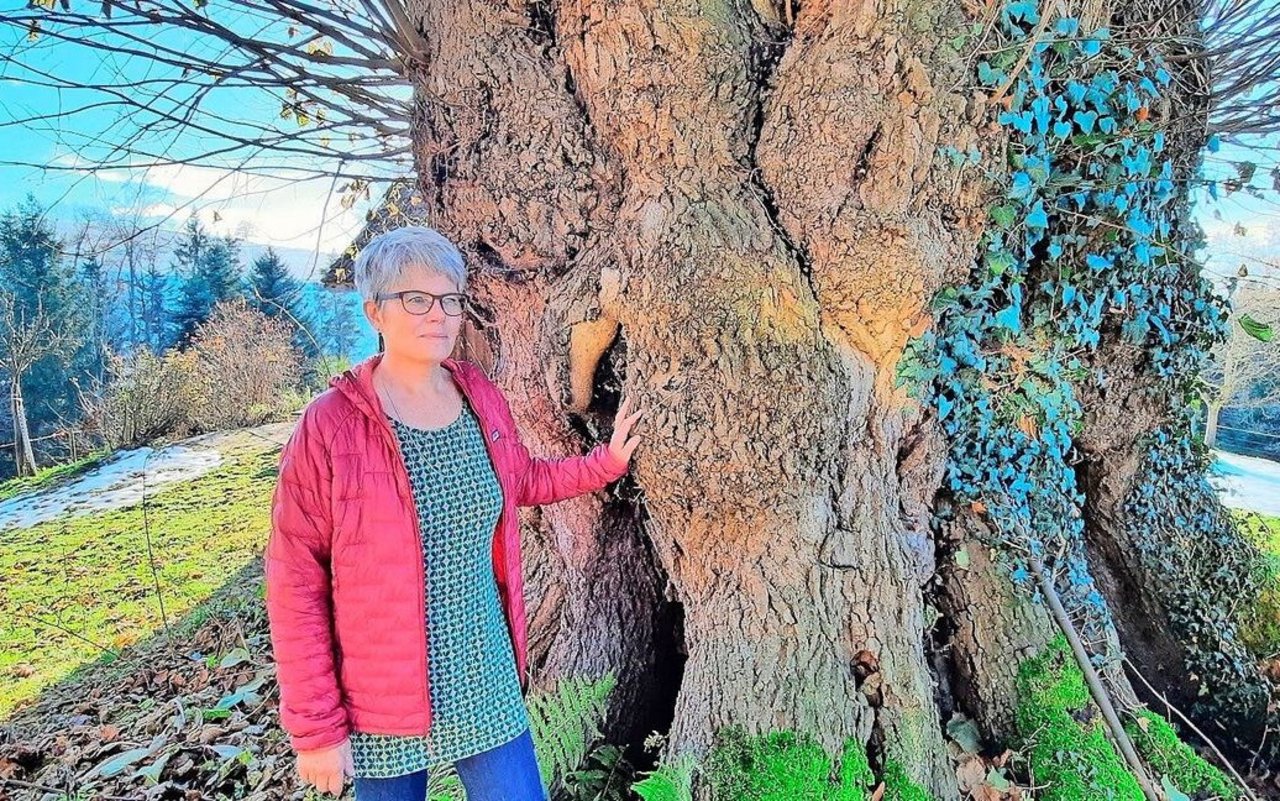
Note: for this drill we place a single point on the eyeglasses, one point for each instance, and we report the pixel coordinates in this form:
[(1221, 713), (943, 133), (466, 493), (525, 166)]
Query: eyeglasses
[(416, 301)]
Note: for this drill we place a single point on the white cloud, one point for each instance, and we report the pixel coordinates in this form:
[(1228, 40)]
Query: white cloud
[(268, 210)]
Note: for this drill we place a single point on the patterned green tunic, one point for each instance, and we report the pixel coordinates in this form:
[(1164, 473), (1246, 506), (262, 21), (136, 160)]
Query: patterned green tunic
[(475, 695)]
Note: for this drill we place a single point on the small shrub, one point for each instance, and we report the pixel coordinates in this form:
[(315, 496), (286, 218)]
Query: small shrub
[(245, 368), (144, 398)]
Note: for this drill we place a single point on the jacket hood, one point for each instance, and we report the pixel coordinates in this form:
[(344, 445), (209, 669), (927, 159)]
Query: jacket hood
[(356, 382)]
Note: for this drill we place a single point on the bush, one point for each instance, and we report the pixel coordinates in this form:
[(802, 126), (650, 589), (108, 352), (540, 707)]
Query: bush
[(145, 397), (240, 370), (245, 368)]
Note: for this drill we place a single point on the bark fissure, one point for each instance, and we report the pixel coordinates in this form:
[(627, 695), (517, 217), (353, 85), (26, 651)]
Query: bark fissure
[(766, 53)]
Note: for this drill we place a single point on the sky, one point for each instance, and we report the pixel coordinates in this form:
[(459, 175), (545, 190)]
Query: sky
[(302, 218)]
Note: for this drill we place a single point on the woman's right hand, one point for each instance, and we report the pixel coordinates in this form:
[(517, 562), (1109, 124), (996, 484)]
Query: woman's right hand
[(326, 767)]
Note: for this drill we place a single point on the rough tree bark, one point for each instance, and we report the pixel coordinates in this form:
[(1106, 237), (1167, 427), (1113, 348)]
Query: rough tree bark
[(737, 216)]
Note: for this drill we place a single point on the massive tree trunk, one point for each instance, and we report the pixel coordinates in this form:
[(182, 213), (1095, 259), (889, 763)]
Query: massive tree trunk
[(738, 218)]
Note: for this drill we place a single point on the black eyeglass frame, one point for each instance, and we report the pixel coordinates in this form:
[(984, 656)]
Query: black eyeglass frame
[(462, 296)]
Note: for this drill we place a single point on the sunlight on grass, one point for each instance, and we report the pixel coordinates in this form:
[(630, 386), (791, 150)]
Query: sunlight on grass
[(79, 584), (49, 476)]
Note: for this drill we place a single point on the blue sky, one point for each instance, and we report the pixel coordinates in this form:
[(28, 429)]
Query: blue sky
[(300, 217)]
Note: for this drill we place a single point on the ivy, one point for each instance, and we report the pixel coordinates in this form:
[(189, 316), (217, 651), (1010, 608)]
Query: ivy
[(1078, 244)]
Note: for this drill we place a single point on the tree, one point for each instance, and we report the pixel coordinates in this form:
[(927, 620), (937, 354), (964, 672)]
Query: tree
[(211, 275), (41, 319), (156, 310), (338, 327), (899, 337), (275, 293), (1246, 371)]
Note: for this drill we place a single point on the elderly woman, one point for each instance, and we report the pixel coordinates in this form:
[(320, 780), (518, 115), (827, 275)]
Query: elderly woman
[(393, 570)]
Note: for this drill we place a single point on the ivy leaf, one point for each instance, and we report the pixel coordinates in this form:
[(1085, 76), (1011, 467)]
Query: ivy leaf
[(1037, 218), (1021, 187), (1085, 120), (1003, 216), (1010, 318), (999, 262), (989, 76), (1259, 331), (1024, 10)]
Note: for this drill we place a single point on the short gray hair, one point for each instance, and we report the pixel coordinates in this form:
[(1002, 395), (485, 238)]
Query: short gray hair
[(385, 256)]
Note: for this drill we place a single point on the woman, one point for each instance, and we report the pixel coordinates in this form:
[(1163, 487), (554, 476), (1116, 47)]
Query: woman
[(394, 590)]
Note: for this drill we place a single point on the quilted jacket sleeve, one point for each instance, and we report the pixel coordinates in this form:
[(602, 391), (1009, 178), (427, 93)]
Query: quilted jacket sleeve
[(547, 480), (299, 605)]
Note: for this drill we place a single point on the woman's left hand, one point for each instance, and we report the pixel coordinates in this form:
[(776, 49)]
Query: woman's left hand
[(620, 444)]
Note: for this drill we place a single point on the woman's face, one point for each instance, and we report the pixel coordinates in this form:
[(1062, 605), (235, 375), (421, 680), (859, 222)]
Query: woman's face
[(417, 337)]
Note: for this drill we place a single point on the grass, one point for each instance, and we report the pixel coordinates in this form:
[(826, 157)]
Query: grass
[(48, 477), (81, 586), (1264, 530), (1260, 618)]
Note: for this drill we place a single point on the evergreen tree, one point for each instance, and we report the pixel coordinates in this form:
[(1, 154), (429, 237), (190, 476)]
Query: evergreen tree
[(157, 312), (272, 290), (97, 310), (276, 293), (210, 270), (339, 329), (43, 321)]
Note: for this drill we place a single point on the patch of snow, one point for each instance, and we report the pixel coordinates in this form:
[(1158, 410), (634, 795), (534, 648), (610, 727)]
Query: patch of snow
[(1246, 482), (116, 483)]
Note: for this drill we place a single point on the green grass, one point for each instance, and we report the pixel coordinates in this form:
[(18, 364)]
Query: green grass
[(1260, 618), (81, 583), (1263, 530), (48, 477)]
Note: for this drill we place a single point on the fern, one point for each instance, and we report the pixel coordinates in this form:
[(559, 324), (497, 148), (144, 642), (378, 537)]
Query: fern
[(444, 785), (669, 782), (565, 722)]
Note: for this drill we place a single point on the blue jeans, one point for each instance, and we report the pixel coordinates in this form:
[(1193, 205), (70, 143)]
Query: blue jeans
[(506, 773)]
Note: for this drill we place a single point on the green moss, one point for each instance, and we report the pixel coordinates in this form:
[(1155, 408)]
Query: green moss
[(1159, 746), (898, 785), (1062, 735), (784, 766)]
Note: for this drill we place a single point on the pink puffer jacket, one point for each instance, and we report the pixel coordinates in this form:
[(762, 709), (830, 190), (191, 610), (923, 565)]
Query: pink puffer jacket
[(344, 573)]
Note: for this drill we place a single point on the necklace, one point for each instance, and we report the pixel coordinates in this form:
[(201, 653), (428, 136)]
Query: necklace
[(386, 393)]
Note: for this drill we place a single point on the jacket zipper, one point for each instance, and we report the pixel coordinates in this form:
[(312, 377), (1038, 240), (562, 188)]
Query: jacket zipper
[(402, 474)]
